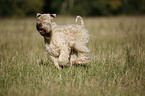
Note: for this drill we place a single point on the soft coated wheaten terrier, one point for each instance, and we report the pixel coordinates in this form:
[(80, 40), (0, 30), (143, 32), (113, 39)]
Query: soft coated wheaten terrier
[(66, 44)]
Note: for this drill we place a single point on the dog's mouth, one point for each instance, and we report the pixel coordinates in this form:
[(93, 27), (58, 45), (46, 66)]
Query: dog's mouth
[(42, 31)]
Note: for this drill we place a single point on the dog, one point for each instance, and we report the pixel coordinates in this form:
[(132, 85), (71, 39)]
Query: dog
[(66, 44)]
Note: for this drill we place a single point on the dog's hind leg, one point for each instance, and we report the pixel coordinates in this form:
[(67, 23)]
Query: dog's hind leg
[(81, 48), (83, 54), (83, 58)]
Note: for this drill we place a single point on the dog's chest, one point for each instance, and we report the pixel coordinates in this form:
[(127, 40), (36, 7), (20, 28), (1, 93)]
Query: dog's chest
[(52, 50)]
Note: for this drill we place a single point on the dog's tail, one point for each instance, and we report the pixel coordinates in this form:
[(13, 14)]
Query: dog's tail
[(81, 20)]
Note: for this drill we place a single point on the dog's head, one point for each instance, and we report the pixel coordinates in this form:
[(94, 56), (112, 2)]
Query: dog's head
[(43, 24)]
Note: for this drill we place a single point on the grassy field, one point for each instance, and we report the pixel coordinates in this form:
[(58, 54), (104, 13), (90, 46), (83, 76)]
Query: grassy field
[(117, 66)]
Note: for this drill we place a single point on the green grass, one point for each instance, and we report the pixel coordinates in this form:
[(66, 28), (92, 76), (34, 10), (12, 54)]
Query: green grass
[(117, 66)]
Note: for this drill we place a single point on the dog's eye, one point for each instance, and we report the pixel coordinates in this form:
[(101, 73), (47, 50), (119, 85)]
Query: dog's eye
[(51, 15), (38, 15)]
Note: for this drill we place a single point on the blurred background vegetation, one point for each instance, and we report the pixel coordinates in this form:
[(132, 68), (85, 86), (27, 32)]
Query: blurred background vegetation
[(22, 8)]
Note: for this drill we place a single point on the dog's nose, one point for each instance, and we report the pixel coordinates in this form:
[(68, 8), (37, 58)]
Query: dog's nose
[(38, 26)]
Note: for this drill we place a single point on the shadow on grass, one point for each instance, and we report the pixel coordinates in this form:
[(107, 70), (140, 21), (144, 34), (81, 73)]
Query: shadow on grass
[(76, 66), (81, 65), (49, 63)]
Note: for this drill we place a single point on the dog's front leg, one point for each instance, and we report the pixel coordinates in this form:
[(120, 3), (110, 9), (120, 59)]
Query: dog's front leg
[(64, 55), (55, 61)]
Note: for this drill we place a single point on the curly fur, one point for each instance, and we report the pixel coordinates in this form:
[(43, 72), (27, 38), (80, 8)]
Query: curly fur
[(66, 44)]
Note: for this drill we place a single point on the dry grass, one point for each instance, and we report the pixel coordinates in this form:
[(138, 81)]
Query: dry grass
[(117, 68)]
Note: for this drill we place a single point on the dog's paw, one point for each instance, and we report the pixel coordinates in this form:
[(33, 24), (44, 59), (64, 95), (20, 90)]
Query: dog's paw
[(63, 62)]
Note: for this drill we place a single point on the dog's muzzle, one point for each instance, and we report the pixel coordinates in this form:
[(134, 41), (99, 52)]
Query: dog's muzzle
[(43, 32), (40, 29)]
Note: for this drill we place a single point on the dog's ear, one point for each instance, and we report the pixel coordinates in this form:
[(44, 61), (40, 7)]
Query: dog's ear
[(53, 16), (38, 15)]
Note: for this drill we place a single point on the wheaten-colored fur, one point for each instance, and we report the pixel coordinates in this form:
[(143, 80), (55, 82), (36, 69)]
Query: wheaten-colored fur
[(67, 43)]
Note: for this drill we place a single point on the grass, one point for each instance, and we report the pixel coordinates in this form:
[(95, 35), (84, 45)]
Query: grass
[(117, 66)]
